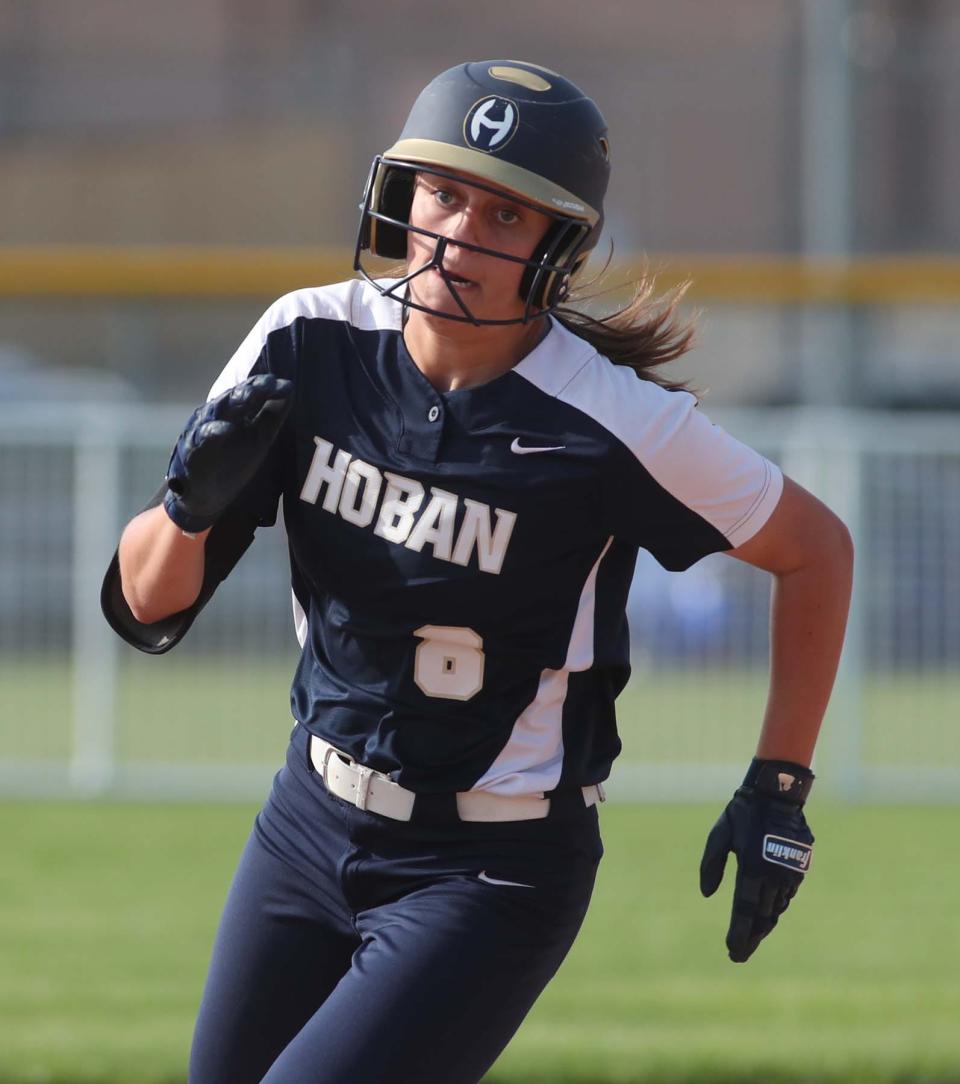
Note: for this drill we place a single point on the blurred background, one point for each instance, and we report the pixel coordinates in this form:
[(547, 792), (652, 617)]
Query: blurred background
[(167, 170)]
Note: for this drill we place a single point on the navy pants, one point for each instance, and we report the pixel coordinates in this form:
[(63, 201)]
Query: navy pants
[(354, 948)]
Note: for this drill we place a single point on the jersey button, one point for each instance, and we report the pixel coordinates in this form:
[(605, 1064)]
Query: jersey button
[(433, 413)]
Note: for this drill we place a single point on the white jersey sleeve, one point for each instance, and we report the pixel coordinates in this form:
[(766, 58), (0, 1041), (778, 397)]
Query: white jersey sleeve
[(673, 482), (691, 488), (713, 474)]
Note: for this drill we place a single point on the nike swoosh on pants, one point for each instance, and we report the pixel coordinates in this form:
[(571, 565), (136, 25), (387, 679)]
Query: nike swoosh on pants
[(482, 875)]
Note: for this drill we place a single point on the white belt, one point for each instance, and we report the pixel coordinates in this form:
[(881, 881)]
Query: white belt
[(376, 792)]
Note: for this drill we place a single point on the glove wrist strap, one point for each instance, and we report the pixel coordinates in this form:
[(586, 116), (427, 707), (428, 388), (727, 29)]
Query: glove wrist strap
[(780, 779), (190, 525)]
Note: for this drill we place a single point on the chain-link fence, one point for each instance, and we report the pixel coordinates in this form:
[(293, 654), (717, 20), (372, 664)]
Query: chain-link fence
[(81, 713)]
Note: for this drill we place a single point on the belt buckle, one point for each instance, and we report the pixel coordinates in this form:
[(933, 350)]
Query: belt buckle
[(328, 752), (364, 776)]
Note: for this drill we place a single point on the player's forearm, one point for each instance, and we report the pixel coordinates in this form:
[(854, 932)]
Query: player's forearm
[(808, 618), (161, 569)]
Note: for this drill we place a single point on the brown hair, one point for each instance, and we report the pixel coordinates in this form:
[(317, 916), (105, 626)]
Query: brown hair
[(644, 334)]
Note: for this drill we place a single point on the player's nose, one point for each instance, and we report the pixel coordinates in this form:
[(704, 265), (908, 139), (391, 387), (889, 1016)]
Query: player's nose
[(464, 227), (469, 222)]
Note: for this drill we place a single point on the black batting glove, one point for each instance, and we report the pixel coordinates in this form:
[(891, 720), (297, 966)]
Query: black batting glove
[(219, 451), (765, 828)]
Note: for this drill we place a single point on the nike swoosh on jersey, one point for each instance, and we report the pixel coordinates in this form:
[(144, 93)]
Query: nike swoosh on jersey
[(482, 875), (521, 449)]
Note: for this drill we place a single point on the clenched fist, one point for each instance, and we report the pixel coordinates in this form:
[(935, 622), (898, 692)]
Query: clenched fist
[(221, 447)]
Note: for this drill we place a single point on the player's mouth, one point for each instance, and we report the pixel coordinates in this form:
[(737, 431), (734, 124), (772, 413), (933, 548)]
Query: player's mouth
[(459, 281)]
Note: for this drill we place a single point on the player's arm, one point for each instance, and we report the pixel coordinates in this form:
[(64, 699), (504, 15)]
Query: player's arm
[(160, 576), (809, 552), (161, 566)]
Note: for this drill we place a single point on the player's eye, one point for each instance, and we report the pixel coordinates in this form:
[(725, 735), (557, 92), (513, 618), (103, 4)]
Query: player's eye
[(443, 196), (506, 216)]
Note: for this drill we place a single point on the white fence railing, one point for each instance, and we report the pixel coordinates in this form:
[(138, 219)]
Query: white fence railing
[(82, 714)]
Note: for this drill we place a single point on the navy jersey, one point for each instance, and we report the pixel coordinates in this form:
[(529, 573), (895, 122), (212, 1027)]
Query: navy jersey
[(461, 561)]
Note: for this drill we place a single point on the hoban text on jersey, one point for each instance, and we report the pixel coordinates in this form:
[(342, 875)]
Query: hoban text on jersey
[(400, 511)]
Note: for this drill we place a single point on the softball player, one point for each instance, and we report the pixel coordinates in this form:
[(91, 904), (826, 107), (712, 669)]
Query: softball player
[(466, 478)]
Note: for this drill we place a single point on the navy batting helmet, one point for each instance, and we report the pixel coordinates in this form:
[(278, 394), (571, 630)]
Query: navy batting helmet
[(511, 126)]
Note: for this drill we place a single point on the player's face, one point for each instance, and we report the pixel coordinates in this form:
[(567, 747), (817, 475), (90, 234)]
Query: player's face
[(488, 286)]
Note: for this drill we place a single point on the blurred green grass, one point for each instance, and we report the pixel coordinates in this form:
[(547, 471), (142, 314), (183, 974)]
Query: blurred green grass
[(239, 712), (107, 913)]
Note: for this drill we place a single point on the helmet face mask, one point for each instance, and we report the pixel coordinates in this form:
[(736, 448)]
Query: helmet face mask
[(385, 227), (509, 128)]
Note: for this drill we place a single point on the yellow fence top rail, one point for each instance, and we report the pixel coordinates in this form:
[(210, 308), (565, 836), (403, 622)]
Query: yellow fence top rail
[(184, 271)]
